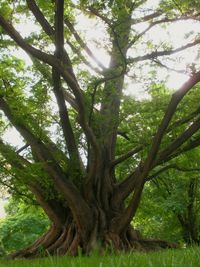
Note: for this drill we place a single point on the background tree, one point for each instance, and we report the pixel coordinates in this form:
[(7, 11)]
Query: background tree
[(174, 187), (177, 192), (72, 147), (15, 228)]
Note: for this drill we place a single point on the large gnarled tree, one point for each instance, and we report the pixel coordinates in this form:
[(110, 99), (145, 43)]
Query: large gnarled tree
[(72, 171)]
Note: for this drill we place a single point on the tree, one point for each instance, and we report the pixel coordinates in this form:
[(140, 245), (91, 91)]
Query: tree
[(71, 152), (173, 187), (175, 191)]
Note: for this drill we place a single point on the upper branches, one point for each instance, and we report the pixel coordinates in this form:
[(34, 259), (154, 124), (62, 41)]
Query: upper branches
[(171, 109), (40, 17), (169, 167), (156, 54), (153, 21), (82, 44), (172, 150), (58, 90), (58, 65)]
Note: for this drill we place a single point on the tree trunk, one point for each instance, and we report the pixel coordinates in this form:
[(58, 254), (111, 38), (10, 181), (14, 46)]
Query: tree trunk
[(65, 234)]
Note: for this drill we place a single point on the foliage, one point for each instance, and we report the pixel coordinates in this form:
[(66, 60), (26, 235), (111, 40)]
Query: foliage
[(22, 225), (169, 198)]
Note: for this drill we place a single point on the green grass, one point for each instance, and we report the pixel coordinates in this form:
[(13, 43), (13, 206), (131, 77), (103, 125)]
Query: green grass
[(189, 257)]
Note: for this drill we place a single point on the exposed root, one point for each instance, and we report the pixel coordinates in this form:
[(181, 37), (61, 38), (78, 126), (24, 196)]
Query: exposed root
[(38, 247), (68, 241)]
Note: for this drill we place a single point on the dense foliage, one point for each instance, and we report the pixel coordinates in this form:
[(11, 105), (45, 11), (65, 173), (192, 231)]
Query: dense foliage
[(21, 227)]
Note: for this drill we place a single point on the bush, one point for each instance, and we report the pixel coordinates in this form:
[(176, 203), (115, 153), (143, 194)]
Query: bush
[(23, 225)]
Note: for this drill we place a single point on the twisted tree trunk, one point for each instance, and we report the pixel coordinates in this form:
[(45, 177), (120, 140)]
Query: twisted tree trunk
[(65, 236)]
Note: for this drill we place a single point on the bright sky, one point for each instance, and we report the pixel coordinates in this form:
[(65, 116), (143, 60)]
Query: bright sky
[(2, 211)]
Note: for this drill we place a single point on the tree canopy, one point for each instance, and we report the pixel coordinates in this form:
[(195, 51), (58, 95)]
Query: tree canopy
[(89, 148)]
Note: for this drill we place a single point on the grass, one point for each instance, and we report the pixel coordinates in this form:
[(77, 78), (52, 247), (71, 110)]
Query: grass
[(189, 257)]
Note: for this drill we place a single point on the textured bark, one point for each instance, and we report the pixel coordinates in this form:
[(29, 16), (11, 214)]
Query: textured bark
[(67, 240)]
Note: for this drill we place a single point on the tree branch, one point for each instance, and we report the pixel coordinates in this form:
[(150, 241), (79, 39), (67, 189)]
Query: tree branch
[(102, 17), (171, 166), (58, 91), (184, 120), (40, 17), (168, 68), (22, 148), (83, 44), (49, 31), (171, 109), (69, 98), (48, 75), (81, 56), (124, 188), (178, 141), (51, 207), (141, 172), (126, 156), (147, 17), (81, 212), (164, 20), (192, 144), (156, 54)]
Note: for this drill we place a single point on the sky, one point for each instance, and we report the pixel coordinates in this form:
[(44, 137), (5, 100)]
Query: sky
[(2, 211)]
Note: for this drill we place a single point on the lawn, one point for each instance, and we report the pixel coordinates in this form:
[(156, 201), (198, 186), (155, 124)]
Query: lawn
[(189, 257)]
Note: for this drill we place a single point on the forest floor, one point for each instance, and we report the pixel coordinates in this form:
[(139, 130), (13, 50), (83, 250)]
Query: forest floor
[(189, 257)]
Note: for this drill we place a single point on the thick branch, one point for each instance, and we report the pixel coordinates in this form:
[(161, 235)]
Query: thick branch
[(46, 58), (51, 208), (122, 221), (171, 109), (48, 75), (59, 28), (50, 31), (178, 141), (58, 91), (64, 119), (40, 17), (184, 120), (191, 145), (123, 189), (69, 98)]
